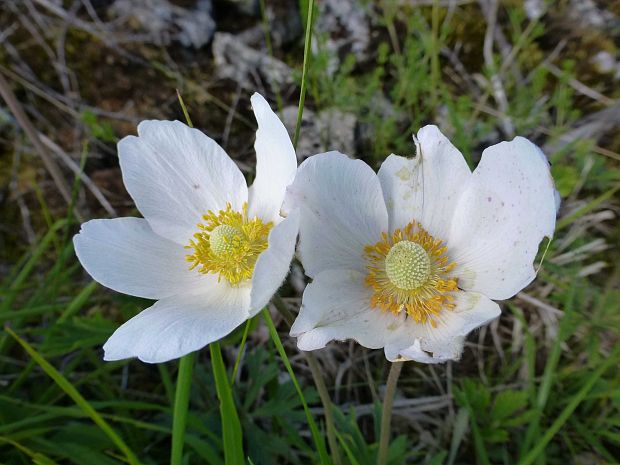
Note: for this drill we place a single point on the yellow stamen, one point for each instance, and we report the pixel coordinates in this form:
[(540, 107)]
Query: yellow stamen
[(228, 243), (409, 271)]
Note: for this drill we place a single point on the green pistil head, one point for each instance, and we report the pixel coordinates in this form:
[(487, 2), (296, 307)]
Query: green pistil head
[(222, 239), (407, 265)]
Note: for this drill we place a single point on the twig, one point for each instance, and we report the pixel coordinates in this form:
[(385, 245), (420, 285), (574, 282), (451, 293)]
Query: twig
[(73, 166), (26, 125)]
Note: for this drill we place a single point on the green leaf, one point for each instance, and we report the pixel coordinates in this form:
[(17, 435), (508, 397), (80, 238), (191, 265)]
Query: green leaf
[(231, 426), (68, 388)]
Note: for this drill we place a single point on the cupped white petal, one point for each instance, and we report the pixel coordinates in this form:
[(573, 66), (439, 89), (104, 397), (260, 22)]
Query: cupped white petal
[(175, 174), (276, 163), (342, 210), (425, 188), (507, 208), (273, 264), (427, 344), (125, 254), (336, 306), (180, 324)]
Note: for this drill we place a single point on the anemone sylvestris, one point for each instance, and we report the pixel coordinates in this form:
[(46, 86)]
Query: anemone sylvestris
[(209, 249), (411, 259)]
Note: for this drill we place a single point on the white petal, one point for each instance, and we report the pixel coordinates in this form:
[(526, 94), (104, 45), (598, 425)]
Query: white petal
[(176, 174), (273, 264), (276, 163), (342, 210), (501, 218), (178, 325), (336, 306), (425, 188), (125, 254), (428, 344)]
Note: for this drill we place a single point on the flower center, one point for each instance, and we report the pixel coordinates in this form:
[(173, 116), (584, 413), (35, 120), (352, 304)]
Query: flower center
[(409, 271), (407, 265), (223, 239), (228, 243)]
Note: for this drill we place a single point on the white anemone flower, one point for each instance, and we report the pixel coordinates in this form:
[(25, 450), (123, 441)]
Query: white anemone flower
[(409, 259), (211, 251)]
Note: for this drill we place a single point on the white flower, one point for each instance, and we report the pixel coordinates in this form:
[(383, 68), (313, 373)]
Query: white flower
[(210, 250), (410, 259)]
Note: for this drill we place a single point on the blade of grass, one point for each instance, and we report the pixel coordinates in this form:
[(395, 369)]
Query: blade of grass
[(37, 457), (567, 220), (319, 382), (304, 75), (78, 302), (347, 449), (546, 382), (231, 426), (318, 439), (241, 348), (181, 404), (70, 390), (569, 409), (28, 267)]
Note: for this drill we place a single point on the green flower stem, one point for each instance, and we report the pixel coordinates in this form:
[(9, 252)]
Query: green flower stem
[(181, 404), (319, 381), (386, 416)]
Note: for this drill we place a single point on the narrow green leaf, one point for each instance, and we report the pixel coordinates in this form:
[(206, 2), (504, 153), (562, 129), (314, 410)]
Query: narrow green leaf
[(68, 388), (569, 409), (181, 404), (318, 439), (567, 220), (231, 426), (241, 347)]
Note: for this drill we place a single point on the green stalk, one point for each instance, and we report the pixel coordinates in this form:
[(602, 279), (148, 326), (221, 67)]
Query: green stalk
[(386, 415), (181, 404), (304, 75)]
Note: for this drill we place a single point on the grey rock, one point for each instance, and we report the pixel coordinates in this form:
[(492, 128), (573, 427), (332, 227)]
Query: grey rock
[(346, 26), (587, 14), (237, 61), (327, 130), (165, 22)]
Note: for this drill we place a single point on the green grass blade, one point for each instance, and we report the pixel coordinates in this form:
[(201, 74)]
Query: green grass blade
[(37, 457), (231, 426), (304, 75), (181, 404), (318, 439), (569, 409), (567, 220), (78, 302), (68, 388), (28, 267), (241, 347)]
